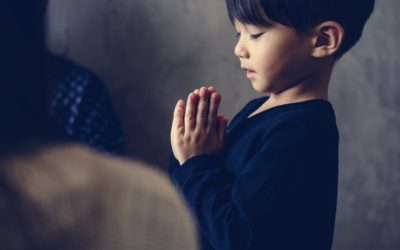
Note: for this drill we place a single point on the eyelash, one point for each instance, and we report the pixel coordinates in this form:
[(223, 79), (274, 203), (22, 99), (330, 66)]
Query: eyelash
[(255, 36), (252, 37)]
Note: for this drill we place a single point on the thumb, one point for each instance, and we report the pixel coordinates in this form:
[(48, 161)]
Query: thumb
[(178, 126)]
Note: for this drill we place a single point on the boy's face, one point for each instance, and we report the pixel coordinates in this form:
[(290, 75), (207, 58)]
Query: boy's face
[(274, 58)]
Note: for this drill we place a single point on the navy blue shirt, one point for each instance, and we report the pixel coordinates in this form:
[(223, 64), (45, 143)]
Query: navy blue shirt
[(274, 186), (81, 107)]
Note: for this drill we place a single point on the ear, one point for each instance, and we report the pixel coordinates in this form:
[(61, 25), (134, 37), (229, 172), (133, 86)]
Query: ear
[(327, 39)]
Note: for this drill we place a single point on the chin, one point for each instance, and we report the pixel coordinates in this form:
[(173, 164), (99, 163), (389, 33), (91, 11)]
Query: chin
[(263, 88)]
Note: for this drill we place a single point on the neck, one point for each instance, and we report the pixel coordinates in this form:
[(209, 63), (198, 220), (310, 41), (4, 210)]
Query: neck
[(313, 87)]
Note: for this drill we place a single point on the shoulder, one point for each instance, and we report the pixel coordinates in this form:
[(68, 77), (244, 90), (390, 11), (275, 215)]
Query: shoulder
[(64, 65), (310, 117), (68, 74), (68, 183), (305, 124), (64, 168)]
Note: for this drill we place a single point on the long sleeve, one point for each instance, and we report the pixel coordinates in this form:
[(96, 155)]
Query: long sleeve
[(271, 204)]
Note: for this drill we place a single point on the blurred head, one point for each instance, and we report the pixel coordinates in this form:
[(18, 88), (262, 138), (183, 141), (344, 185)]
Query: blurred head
[(23, 100)]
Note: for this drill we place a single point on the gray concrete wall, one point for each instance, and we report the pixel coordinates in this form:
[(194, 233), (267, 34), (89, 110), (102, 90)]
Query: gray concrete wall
[(150, 53)]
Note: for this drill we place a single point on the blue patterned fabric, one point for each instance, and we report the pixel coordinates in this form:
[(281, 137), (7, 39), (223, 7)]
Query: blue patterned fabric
[(82, 107)]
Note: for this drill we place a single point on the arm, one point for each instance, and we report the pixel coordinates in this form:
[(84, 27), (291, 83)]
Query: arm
[(253, 211), (241, 213)]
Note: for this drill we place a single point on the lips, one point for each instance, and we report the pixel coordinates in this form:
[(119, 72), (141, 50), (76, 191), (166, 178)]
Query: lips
[(249, 72)]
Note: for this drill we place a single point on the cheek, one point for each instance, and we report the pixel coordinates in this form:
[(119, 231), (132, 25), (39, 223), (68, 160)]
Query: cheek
[(271, 54), (279, 68), (272, 61)]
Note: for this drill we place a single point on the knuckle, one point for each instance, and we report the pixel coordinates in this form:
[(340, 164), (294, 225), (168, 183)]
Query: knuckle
[(197, 137), (186, 139), (181, 143), (197, 140)]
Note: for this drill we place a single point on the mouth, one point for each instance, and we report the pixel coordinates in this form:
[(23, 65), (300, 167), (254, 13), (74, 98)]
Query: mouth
[(249, 72)]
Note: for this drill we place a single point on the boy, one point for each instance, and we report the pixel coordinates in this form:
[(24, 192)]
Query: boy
[(271, 181)]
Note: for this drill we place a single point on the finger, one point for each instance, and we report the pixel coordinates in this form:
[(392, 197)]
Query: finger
[(190, 115), (211, 89), (196, 91), (215, 101), (222, 126), (202, 111), (178, 127)]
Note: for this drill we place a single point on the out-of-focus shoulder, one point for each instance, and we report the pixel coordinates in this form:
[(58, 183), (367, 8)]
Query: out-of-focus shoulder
[(69, 168), (116, 200)]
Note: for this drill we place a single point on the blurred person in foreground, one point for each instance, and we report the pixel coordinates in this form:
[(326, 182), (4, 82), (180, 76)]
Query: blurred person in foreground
[(55, 196)]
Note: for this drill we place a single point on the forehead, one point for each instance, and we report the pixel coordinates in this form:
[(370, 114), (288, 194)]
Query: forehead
[(238, 25), (267, 22), (243, 26)]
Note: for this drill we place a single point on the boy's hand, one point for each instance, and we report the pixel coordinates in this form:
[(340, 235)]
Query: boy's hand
[(198, 129)]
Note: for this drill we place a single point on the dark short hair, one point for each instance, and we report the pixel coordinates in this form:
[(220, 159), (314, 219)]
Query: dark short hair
[(305, 14)]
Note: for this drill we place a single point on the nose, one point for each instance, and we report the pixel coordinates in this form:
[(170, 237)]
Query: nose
[(241, 50)]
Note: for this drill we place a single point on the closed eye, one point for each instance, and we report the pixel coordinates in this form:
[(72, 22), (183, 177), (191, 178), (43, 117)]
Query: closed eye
[(255, 36)]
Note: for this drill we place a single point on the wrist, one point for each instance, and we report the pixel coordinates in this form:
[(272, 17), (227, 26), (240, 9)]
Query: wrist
[(184, 160)]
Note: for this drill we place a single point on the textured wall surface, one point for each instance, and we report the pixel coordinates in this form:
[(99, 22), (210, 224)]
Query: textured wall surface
[(150, 53)]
